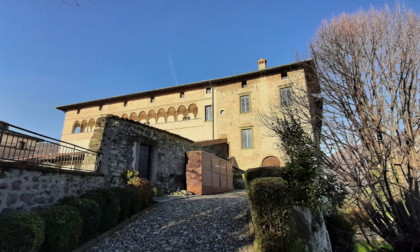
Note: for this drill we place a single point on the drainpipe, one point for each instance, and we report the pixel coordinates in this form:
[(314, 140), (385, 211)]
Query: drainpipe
[(212, 109)]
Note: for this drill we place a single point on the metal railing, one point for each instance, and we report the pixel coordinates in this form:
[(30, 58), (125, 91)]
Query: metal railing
[(18, 144)]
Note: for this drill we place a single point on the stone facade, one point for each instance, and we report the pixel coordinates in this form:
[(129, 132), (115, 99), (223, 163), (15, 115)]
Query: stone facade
[(182, 110), (122, 143), (29, 187)]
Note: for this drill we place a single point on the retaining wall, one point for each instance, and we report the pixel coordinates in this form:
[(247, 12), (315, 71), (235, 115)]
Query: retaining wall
[(29, 187)]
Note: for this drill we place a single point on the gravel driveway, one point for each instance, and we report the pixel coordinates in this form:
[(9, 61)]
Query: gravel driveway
[(197, 223)]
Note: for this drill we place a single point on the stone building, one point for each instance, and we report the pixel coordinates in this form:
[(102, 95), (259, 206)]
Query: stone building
[(224, 108)]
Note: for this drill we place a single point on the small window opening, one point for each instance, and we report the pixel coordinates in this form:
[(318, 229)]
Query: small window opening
[(244, 84), (100, 107), (125, 103), (284, 76), (182, 95), (208, 90), (152, 99), (21, 145), (78, 111)]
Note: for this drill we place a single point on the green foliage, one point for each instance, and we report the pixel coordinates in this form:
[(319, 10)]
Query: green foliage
[(64, 226), (269, 200), (340, 226), (141, 196), (263, 172), (21, 232), (363, 246), (110, 205), (125, 198), (303, 169), (91, 215)]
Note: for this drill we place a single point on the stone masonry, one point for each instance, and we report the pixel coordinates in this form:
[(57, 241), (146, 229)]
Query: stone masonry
[(117, 138), (28, 187)]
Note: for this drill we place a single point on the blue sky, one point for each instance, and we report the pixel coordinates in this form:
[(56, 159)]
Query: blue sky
[(54, 54)]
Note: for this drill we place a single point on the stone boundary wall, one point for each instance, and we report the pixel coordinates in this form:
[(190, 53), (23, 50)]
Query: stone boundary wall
[(29, 187)]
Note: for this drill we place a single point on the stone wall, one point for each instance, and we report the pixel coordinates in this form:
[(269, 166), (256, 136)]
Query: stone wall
[(119, 140), (29, 187)]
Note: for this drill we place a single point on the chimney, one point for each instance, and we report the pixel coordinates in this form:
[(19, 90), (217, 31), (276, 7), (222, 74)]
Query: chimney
[(262, 64)]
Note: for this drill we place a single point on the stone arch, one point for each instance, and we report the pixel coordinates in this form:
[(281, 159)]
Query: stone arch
[(171, 115), (91, 124), (151, 116), (133, 116), (124, 116), (142, 117), (192, 111), (83, 126), (161, 116), (270, 161), (182, 113), (76, 127)]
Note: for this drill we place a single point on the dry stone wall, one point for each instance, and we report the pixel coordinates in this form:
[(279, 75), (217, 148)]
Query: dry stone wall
[(28, 187)]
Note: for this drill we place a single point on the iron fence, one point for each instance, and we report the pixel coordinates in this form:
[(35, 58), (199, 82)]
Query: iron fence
[(18, 144)]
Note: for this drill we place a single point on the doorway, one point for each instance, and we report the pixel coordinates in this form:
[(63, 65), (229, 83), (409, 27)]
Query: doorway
[(144, 161)]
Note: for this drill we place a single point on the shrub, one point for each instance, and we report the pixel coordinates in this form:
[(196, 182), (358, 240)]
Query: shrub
[(21, 232), (125, 198), (64, 226), (269, 200), (91, 215), (340, 226), (141, 196), (262, 172), (110, 205)]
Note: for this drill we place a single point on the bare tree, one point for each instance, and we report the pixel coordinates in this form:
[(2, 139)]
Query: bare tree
[(367, 66)]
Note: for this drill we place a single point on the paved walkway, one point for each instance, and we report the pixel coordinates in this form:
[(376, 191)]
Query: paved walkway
[(197, 223)]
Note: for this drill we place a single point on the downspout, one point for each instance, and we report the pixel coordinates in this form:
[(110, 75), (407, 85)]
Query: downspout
[(212, 109)]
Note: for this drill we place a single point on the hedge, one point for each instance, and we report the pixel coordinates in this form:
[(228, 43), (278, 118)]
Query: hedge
[(91, 214), (269, 201), (263, 172), (21, 232), (110, 205), (64, 226)]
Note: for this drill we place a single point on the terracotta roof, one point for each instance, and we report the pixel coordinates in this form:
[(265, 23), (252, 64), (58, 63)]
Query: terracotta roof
[(206, 83)]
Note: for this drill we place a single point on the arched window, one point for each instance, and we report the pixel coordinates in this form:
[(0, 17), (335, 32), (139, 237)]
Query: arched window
[(192, 111), (151, 117), (270, 161), (124, 116), (142, 117), (76, 128), (161, 116), (182, 113), (133, 116), (83, 127), (171, 115), (92, 124)]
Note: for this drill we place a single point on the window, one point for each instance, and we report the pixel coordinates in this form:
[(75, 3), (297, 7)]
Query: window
[(208, 90), (182, 95), (284, 76), (244, 84), (21, 145), (286, 96), (246, 138), (78, 111), (125, 103), (152, 99), (245, 104), (209, 115), (100, 107)]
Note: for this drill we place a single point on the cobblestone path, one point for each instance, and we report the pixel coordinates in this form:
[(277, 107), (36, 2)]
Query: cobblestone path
[(198, 223)]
